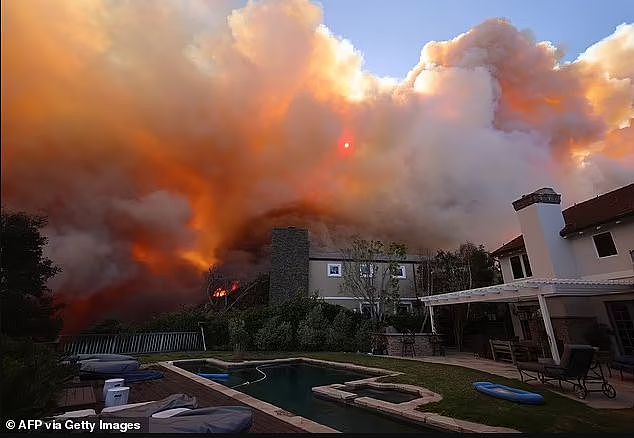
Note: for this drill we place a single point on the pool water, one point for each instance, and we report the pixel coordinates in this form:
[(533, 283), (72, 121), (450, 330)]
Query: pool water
[(290, 386), (388, 395)]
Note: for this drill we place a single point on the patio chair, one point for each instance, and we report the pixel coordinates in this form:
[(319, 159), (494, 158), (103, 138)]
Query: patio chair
[(437, 345), (573, 368), (408, 340)]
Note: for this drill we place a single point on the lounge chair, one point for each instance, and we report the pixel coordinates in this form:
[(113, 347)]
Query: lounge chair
[(573, 368)]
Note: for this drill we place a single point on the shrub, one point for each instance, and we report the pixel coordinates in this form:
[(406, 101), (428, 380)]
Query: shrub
[(217, 333), (238, 336), (295, 310), (32, 378), (108, 326), (313, 330), (406, 322), (185, 319), (275, 335), (341, 335), (363, 336)]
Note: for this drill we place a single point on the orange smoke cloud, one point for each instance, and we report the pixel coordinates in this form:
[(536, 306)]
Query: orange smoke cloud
[(161, 137)]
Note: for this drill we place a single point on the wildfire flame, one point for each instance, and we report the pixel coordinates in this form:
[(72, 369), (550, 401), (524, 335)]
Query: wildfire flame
[(222, 292)]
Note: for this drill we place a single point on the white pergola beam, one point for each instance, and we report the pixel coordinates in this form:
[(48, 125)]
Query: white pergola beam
[(548, 325), (431, 320)]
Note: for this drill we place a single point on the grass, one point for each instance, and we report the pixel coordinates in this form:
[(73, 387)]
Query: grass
[(460, 400)]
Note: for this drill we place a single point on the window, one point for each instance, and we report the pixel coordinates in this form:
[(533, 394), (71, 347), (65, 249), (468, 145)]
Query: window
[(366, 309), (527, 265), (604, 244), (334, 269), (521, 267), (366, 270), (399, 272), (526, 329)]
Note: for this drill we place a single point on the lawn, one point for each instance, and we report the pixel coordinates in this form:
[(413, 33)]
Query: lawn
[(460, 400)]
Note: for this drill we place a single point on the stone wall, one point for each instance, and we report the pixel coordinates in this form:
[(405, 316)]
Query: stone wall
[(289, 263), (422, 345)]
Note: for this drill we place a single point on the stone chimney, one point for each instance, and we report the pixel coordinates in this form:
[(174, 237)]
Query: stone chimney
[(540, 218), (289, 264)]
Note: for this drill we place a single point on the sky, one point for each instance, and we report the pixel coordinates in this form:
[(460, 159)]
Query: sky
[(390, 34)]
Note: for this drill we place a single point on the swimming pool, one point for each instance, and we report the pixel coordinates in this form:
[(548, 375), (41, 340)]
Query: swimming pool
[(289, 386)]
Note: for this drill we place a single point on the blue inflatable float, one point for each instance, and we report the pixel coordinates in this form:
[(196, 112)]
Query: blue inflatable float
[(214, 376), (510, 394)]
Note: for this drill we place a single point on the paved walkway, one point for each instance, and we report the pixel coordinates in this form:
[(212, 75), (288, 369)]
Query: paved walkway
[(624, 389)]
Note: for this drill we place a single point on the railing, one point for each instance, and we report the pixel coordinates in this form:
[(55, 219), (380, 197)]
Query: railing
[(123, 343)]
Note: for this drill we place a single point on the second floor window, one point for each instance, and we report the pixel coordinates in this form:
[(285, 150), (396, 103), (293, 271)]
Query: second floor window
[(399, 272), (366, 270), (334, 269), (520, 266), (604, 244), (366, 309)]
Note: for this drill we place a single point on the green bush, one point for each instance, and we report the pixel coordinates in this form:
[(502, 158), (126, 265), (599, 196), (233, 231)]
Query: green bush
[(341, 335), (238, 335), (313, 330), (185, 319), (217, 333), (275, 335), (32, 378), (363, 336), (254, 320), (406, 322)]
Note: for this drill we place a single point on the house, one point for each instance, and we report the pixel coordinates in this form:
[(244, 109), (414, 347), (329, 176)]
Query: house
[(296, 267), (567, 271)]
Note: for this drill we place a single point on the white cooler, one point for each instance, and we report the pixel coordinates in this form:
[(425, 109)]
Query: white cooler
[(111, 383), (117, 396)]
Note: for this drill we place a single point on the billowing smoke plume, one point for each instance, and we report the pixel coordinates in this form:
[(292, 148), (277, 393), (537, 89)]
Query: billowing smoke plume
[(163, 136)]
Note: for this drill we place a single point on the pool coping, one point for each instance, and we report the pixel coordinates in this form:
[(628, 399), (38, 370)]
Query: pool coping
[(405, 411)]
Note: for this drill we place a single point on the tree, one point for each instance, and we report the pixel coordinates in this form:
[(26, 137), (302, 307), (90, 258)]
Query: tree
[(469, 266), (368, 273), (27, 303)]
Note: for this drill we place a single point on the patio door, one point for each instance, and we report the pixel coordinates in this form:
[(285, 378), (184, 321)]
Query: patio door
[(622, 315)]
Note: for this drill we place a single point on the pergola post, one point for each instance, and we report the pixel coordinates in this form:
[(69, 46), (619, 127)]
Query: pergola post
[(431, 319), (548, 325)]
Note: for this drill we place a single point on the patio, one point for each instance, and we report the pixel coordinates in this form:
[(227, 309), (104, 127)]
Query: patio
[(624, 389)]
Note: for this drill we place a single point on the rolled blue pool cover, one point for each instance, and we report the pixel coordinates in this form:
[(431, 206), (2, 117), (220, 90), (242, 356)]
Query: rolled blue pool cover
[(215, 376), (507, 393)]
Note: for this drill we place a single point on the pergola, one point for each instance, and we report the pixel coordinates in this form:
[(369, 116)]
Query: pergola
[(530, 290)]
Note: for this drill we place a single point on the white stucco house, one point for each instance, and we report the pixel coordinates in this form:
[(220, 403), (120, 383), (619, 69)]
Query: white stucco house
[(568, 270)]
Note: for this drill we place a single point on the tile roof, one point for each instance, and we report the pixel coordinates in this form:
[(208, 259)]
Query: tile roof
[(611, 206), (608, 207), (513, 245)]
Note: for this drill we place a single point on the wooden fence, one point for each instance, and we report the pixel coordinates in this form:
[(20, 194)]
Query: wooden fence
[(123, 343)]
